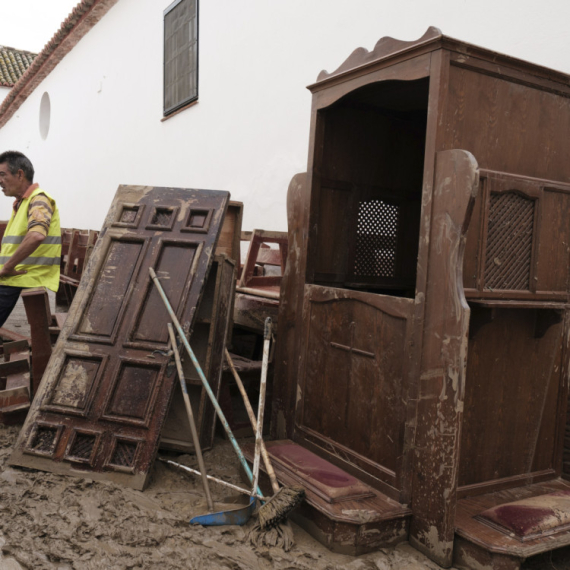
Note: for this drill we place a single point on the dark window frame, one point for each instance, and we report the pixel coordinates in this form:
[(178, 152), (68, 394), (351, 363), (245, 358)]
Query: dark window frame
[(194, 97)]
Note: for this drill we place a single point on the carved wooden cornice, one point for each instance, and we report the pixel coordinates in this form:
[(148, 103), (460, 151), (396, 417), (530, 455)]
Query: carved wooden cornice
[(388, 50)]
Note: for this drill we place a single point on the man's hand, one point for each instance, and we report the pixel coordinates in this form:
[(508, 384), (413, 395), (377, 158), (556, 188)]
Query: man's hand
[(10, 272)]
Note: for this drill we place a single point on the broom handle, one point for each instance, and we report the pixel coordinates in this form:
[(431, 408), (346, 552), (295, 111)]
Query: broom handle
[(261, 406), (190, 413), (205, 383), (268, 465), (211, 478)]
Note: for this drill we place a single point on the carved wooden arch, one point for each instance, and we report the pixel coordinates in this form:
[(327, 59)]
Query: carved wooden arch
[(384, 47)]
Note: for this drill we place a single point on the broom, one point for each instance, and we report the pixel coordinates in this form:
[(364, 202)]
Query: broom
[(284, 507), (285, 499)]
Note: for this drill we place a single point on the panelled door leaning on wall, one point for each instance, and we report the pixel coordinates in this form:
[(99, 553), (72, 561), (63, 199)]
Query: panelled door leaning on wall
[(105, 394)]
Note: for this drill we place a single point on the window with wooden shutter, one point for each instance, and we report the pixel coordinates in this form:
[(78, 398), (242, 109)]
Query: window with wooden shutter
[(180, 54)]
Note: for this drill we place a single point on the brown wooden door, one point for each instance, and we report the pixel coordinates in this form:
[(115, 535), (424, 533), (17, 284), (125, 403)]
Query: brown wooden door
[(353, 386), (106, 391)]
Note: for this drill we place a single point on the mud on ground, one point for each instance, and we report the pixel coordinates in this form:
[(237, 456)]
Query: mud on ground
[(50, 521)]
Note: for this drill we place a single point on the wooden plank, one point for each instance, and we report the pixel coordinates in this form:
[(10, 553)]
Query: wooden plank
[(8, 335), (15, 397), (14, 367), (443, 364), (243, 365), (290, 313), (265, 291), (268, 256), (229, 242), (514, 304), (36, 304), (13, 350)]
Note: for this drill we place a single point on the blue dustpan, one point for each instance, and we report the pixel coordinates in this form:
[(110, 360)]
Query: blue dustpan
[(239, 516)]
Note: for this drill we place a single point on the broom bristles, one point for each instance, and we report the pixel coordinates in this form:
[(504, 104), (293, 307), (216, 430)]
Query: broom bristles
[(280, 536), (280, 505)]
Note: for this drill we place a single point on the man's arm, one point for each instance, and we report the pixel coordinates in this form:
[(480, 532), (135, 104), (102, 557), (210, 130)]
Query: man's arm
[(32, 240)]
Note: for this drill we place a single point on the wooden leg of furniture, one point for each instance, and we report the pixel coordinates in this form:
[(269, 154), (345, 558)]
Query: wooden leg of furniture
[(36, 304)]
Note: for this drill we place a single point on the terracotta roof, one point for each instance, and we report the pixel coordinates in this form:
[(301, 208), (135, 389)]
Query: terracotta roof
[(13, 64), (82, 18)]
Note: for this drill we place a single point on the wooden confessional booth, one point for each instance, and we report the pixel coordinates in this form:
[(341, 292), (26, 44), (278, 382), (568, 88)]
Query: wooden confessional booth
[(422, 357)]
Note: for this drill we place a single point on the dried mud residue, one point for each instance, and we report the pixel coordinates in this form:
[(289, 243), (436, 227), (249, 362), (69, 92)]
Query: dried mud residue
[(55, 522)]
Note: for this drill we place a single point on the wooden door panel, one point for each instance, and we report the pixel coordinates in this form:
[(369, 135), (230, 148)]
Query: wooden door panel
[(73, 391), (552, 255), (363, 386), (353, 393), (511, 399), (105, 393), (133, 393), (354, 373), (175, 262), (109, 296)]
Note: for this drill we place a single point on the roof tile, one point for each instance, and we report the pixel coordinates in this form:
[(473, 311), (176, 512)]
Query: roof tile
[(82, 18), (13, 64)]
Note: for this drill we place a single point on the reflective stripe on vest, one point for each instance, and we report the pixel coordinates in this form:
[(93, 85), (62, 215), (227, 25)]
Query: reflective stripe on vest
[(42, 267), (55, 240), (33, 260)]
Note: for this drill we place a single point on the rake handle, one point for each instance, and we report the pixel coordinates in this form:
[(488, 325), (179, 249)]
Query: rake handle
[(211, 478), (261, 406), (195, 437), (251, 414), (203, 378)]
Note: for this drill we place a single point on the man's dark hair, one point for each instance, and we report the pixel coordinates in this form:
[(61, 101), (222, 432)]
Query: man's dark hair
[(18, 161)]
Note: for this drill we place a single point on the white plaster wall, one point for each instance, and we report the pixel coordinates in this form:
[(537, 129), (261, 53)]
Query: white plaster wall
[(3, 92), (249, 132)]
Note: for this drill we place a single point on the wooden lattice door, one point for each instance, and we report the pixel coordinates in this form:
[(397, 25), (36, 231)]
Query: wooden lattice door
[(106, 391)]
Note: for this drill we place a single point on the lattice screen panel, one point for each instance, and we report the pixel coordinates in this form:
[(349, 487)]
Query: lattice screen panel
[(129, 215), (162, 217), (44, 439), (124, 454), (509, 242), (376, 239), (82, 446)]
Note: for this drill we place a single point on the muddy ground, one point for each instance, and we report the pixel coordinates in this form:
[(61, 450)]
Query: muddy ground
[(56, 522), (50, 522)]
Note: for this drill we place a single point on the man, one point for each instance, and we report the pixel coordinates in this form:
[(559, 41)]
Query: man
[(31, 246)]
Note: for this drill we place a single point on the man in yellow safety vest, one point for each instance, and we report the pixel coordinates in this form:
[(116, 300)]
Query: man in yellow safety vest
[(31, 245)]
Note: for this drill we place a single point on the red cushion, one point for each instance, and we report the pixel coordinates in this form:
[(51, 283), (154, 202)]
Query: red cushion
[(528, 518)]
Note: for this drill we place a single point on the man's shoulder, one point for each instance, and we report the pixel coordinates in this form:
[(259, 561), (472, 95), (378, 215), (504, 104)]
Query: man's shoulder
[(42, 196), (41, 203), (40, 190)]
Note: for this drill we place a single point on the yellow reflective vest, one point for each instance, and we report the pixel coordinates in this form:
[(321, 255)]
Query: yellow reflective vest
[(43, 264)]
